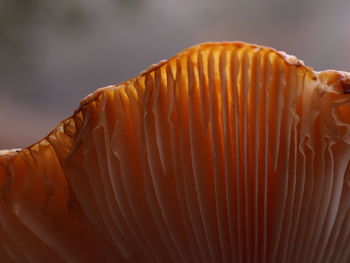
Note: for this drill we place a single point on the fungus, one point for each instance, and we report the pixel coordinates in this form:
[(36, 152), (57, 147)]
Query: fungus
[(227, 152)]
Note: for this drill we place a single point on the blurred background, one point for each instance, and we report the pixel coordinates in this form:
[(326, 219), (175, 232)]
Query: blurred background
[(54, 53)]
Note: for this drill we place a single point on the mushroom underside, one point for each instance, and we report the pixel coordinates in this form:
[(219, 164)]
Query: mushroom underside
[(227, 152)]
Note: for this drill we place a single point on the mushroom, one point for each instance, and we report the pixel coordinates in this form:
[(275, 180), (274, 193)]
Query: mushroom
[(226, 152)]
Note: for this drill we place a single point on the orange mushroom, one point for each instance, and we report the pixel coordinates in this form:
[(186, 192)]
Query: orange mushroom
[(227, 152)]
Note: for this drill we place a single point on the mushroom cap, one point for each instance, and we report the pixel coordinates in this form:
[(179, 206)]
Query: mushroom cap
[(226, 152)]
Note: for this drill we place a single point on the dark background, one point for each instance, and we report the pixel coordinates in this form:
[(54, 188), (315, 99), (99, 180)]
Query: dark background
[(54, 53)]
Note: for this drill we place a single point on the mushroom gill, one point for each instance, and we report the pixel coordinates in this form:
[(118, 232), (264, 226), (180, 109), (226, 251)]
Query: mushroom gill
[(227, 152)]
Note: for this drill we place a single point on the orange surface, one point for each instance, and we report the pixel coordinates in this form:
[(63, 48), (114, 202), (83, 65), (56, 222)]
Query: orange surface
[(227, 152)]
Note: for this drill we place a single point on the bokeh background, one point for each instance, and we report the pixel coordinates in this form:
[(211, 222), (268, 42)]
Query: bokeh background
[(54, 53)]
